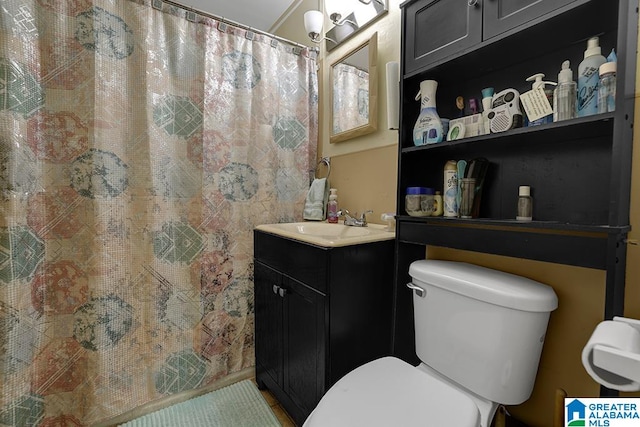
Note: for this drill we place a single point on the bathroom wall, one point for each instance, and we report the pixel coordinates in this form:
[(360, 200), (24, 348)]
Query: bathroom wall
[(364, 170)]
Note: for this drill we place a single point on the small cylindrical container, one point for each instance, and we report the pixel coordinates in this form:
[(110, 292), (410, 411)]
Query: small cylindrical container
[(607, 88), (525, 204), (413, 201)]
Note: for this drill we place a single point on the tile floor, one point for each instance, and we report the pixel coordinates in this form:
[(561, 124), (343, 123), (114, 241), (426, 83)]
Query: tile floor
[(277, 409)]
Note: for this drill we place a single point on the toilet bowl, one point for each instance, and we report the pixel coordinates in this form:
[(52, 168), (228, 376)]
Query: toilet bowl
[(479, 335), (390, 392)]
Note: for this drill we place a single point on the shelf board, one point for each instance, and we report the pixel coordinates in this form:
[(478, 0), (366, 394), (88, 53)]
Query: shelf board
[(568, 130), (550, 226), (572, 244)]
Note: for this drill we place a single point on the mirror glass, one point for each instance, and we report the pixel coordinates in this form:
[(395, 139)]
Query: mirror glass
[(351, 17), (354, 92)]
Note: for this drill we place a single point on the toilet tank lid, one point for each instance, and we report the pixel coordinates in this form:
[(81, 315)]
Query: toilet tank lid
[(484, 284)]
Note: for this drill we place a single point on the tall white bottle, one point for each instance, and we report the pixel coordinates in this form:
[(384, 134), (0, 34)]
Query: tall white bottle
[(564, 96), (588, 78)]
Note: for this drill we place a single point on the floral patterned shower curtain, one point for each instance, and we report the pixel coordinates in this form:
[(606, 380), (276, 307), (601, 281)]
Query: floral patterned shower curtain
[(139, 145)]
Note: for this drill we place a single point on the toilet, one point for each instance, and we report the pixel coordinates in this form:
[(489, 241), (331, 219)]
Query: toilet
[(479, 336)]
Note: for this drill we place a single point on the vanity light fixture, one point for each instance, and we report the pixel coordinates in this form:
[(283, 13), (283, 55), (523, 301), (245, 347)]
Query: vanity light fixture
[(313, 22), (369, 2)]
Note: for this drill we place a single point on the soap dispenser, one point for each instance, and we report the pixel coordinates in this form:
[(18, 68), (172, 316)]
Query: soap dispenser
[(564, 96), (332, 207), (548, 92)]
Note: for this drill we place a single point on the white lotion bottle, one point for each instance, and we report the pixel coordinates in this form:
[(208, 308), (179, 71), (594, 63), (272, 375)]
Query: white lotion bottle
[(537, 82)]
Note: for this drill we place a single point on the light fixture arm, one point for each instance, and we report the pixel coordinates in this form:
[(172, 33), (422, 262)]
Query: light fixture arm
[(315, 37), (336, 18)]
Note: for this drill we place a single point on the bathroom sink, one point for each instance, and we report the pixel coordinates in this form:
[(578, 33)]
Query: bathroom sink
[(329, 235)]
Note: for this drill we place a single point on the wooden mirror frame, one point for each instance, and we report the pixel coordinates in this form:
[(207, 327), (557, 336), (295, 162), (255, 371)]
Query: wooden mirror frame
[(372, 125)]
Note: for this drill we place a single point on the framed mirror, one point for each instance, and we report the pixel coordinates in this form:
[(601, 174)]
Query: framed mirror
[(354, 92), (350, 17)]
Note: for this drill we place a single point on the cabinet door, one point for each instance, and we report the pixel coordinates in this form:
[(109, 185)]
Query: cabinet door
[(269, 337), (436, 29), (503, 15), (304, 347)]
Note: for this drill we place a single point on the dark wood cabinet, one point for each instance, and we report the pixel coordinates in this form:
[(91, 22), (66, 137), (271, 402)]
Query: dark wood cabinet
[(290, 319), (319, 313), (437, 30), (579, 169), (500, 16)]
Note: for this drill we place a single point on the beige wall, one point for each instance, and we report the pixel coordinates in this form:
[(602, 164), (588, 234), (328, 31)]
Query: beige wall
[(364, 170)]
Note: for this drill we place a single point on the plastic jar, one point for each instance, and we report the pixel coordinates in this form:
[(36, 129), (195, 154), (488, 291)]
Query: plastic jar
[(428, 203), (607, 88), (413, 201)]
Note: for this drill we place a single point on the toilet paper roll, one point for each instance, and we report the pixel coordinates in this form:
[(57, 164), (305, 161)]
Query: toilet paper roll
[(616, 335)]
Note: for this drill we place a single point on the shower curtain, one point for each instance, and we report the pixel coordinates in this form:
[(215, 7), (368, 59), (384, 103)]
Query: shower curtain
[(350, 97), (140, 143)]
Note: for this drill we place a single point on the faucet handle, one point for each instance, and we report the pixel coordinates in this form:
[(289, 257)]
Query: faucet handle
[(343, 212), (363, 217)]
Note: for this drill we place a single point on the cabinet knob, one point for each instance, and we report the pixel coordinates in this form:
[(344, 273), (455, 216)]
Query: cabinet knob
[(472, 3), (275, 289), (282, 292)]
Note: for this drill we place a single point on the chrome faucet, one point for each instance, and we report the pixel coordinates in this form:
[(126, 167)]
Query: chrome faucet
[(354, 222)]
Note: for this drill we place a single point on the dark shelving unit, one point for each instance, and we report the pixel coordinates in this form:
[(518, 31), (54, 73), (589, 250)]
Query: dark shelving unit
[(579, 170)]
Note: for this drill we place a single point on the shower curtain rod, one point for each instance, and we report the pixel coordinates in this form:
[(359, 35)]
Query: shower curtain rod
[(242, 26)]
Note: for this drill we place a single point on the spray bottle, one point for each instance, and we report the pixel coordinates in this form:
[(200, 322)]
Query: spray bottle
[(450, 189), (548, 92), (428, 128), (564, 96)]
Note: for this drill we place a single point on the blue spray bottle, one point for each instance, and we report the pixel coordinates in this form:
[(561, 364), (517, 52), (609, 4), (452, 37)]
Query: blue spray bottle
[(588, 78)]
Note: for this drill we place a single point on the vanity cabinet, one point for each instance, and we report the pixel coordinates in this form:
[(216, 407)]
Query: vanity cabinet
[(579, 170), (320, 312), (437, 29)]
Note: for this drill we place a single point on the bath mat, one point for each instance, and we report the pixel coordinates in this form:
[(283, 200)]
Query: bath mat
[(237, 405)]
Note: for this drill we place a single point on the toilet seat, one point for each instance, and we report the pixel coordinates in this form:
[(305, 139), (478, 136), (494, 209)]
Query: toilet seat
[(391, 392)]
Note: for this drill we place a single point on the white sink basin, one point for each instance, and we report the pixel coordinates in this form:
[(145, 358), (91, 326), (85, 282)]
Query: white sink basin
[(329, 235)]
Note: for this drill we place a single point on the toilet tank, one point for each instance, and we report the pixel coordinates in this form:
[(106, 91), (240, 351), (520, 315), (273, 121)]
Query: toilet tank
[(482, 328)]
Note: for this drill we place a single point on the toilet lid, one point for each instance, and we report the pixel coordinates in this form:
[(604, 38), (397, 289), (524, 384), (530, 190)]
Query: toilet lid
[(390, 392)]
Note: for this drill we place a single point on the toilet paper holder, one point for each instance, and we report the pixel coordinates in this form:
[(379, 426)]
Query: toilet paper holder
[(623, 363)]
